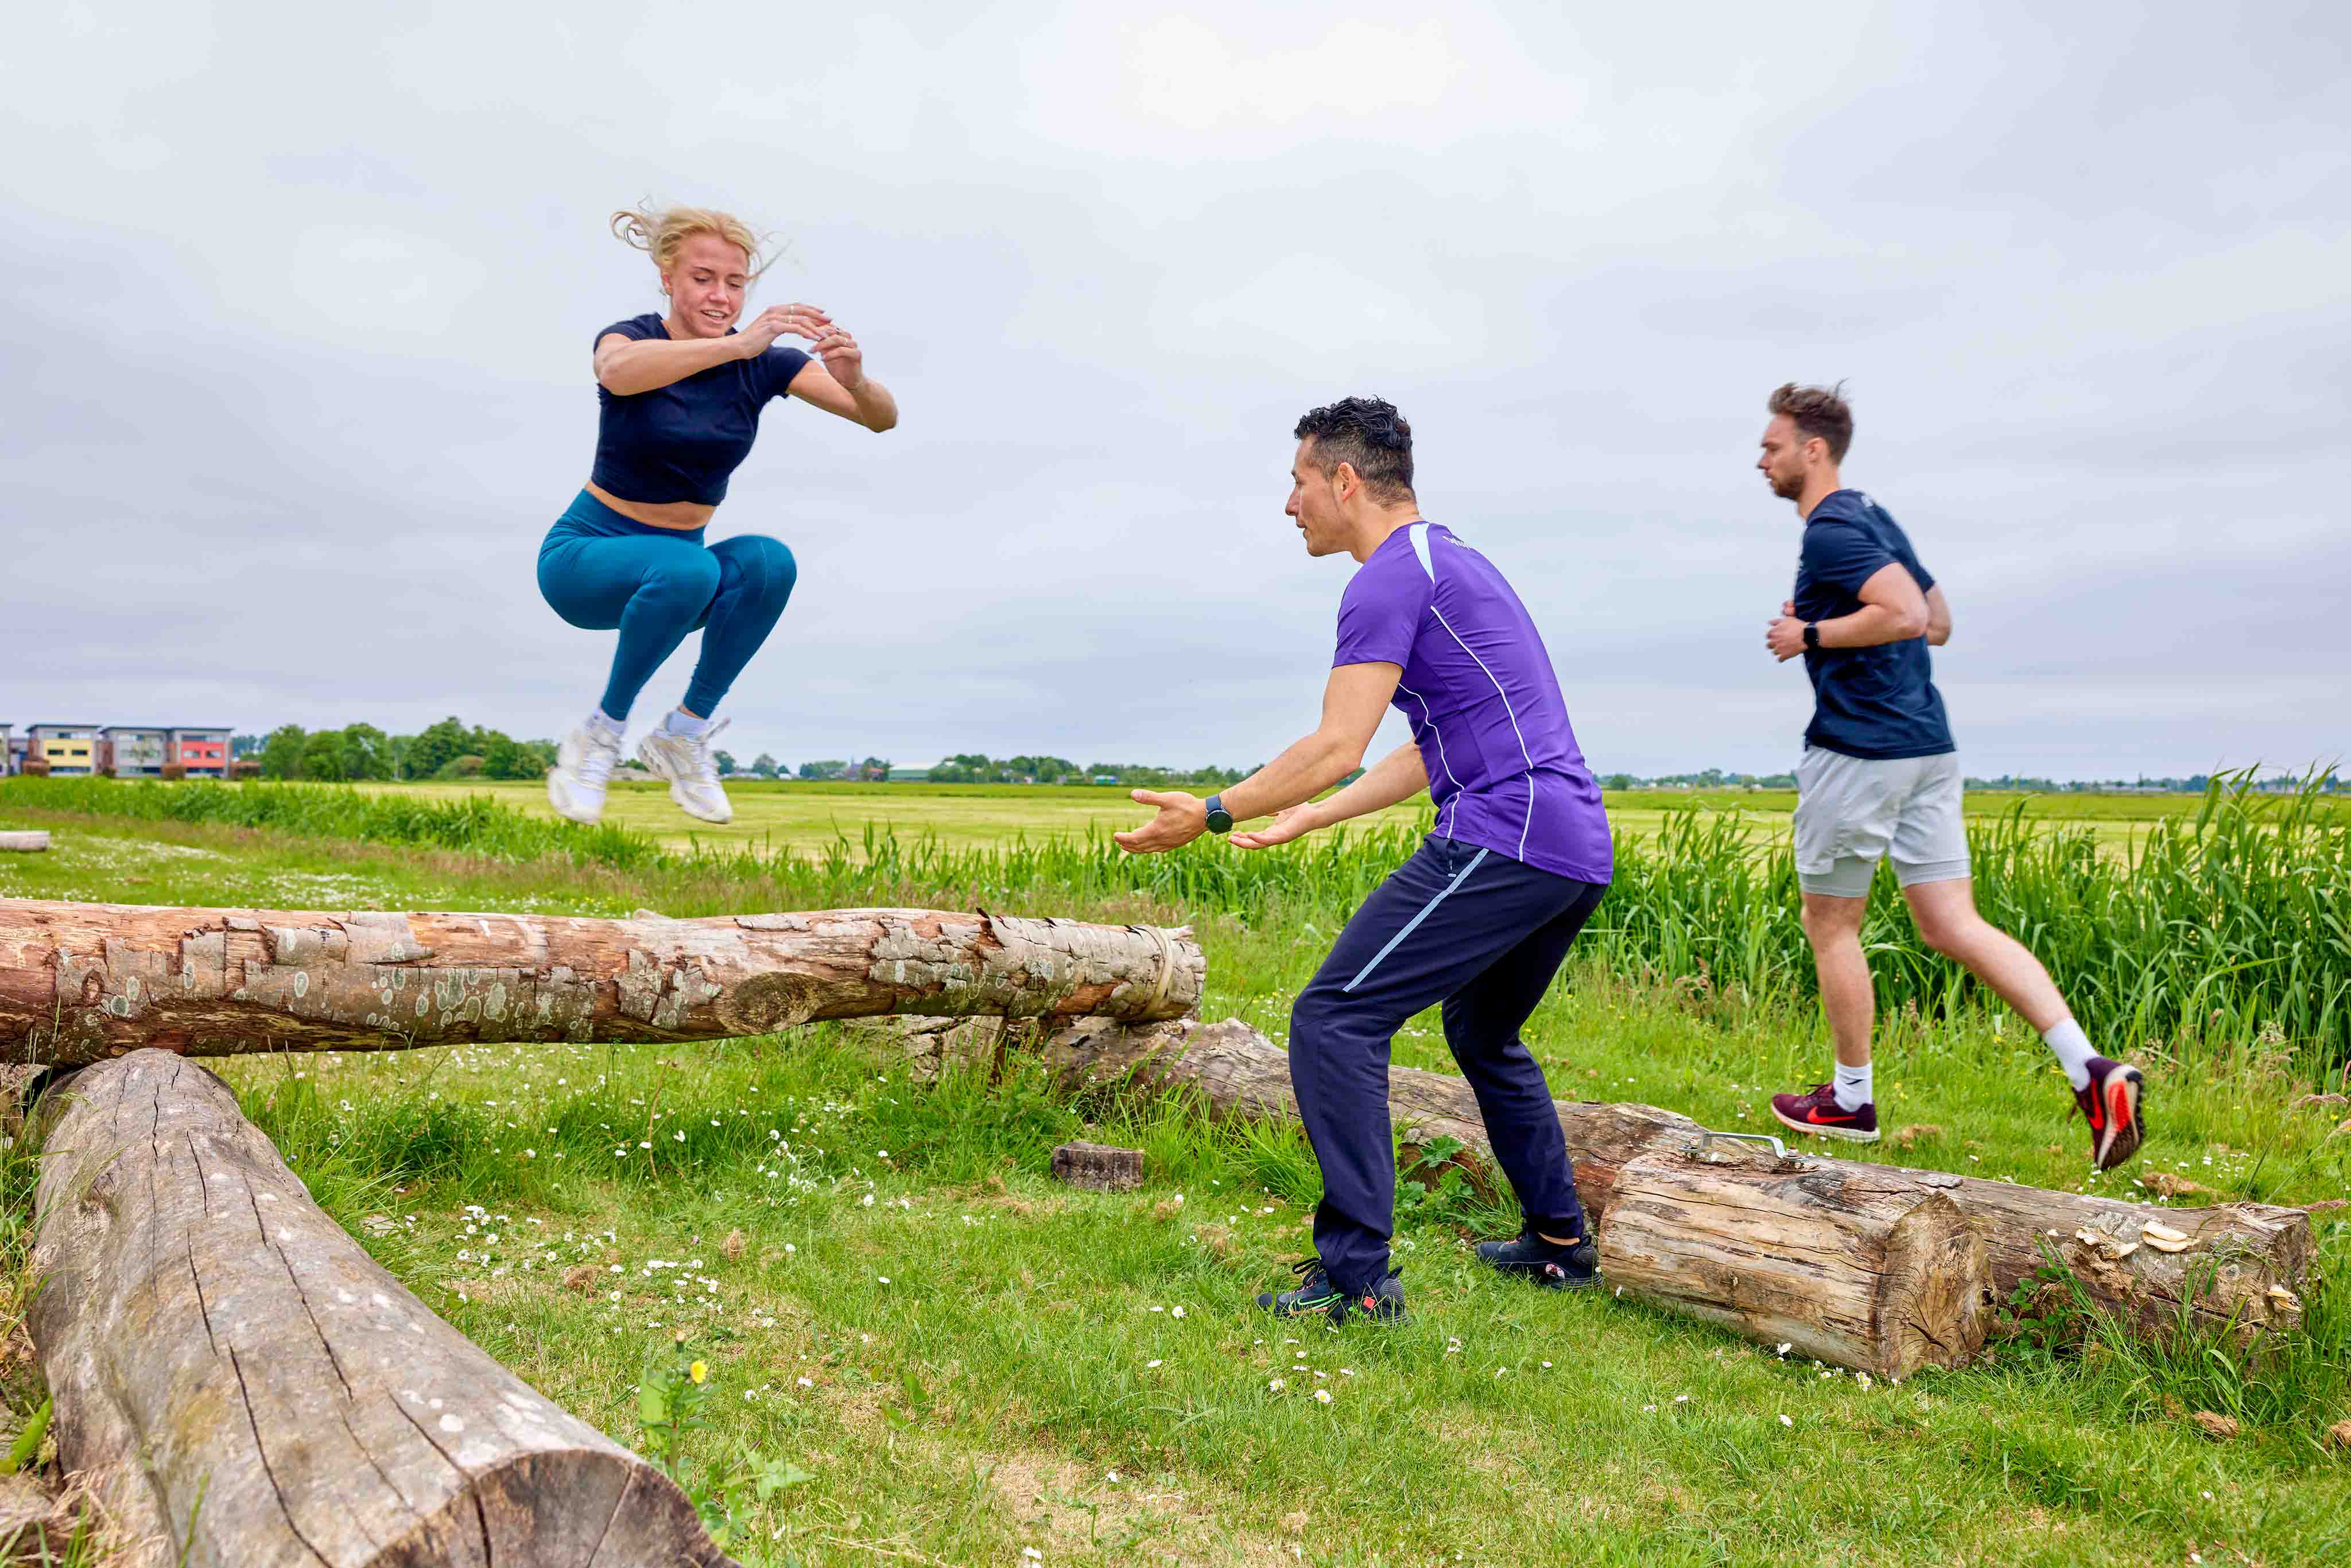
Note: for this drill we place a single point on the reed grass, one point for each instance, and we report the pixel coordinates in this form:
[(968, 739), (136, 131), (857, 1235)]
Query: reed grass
[(2231, 922)]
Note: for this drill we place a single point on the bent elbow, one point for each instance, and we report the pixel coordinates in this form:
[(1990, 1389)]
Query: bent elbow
[(1913, 624), (887, 423)]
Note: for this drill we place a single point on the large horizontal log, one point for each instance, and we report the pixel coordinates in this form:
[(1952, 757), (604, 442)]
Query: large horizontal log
[(81, 982), (248, 1388), (1854, 1264), (2240, 1268)]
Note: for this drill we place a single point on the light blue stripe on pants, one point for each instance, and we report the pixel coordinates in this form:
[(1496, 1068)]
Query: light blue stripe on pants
[(602, 571)]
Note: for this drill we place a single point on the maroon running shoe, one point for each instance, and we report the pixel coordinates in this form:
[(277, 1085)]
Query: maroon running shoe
[(1816, 1111), (2115, 1103)]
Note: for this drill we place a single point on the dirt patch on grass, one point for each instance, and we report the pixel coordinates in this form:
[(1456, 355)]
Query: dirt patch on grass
[(1061, 1506)]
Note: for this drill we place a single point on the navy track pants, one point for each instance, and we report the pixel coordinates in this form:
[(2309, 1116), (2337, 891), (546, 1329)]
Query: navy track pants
[(1482, 934)]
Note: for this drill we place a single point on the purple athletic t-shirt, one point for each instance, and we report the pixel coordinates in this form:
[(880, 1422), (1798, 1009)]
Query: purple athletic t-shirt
[(1485, 708)]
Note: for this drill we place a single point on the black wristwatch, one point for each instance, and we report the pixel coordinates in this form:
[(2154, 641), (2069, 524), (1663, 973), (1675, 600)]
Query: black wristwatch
[(1219, 820), (1813, 635)]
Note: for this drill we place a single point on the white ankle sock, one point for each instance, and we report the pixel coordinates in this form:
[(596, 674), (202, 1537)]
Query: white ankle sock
[(680, 722), (1852, 1088), (598, 719), (2072, 1048)]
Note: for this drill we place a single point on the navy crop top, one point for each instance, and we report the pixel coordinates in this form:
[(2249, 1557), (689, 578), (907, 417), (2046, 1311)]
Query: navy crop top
[(679, 443)]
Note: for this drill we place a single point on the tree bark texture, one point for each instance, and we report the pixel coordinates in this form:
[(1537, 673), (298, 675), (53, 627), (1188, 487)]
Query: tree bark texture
[(1098, 1167), (1854, 1264), (246, 1388), (81, 982), (2241, 1266)]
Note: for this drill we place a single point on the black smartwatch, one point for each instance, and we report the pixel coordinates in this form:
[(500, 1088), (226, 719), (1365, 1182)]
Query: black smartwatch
[(1813, 635), (1219, 820)]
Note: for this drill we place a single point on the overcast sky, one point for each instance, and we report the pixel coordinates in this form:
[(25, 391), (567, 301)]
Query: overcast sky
[(301, 302)]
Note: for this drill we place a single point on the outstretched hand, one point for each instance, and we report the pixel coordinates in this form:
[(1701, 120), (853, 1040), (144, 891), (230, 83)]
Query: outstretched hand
[(1182, 818), (1291, 822)]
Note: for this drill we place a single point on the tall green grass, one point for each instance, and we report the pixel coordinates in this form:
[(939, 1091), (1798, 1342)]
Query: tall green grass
[(2235, 921)]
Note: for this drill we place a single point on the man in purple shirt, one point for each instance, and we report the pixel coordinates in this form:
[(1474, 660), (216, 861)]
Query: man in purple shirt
[(1479, 918)]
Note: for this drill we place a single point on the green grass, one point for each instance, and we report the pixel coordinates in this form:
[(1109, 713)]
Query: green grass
[(2233, 922), (977, 1403)]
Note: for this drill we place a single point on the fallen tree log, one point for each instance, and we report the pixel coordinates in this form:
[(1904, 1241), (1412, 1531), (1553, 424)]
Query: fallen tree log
[(79, 982), (2240, 1268), (1854, 1264), (237, 1378)]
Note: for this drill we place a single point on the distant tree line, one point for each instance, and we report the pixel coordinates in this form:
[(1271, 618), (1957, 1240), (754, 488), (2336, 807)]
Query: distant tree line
[(449, 750), (834, 767), (971, 768)]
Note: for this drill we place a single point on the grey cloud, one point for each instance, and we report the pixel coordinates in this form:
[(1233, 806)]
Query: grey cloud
[(299, 359)]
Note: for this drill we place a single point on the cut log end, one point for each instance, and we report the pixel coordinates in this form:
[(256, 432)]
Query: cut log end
[(1855, 1265), (1098, 1167), (279, 1398)]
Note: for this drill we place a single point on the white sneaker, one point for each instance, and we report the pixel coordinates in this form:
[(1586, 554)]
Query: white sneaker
[(582, 770), (686, 761)]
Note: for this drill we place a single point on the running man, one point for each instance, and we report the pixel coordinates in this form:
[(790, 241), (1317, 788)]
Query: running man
[(1479, 918), (680, 396), (1880, 777)]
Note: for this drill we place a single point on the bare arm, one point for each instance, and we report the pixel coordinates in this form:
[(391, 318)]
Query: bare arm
[(1398, 776), (1892, 611), (627, 366), (864, 400), (1352, 704), (1939, 617)]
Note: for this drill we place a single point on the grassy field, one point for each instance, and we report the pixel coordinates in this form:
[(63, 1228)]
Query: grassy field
[(962, 1362), (771, 816)]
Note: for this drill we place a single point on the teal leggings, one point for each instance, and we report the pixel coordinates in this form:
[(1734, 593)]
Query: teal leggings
[(602, 571)]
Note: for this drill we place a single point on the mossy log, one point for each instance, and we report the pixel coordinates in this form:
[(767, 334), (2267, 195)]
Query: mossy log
[(245, 1388), (81, 982), (2239, 1269)]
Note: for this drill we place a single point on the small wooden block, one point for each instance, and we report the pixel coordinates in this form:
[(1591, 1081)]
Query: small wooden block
[(1099, 1167), (36, 839)]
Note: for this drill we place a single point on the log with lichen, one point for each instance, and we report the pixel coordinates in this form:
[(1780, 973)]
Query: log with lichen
[(244, 1388), (81, 982), (2238, 1267)]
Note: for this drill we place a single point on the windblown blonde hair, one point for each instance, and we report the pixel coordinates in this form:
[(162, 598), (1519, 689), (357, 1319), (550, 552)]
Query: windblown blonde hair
[(660, 231)]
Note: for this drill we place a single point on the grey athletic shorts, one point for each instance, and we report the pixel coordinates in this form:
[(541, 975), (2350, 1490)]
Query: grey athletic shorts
[(1851, 812)]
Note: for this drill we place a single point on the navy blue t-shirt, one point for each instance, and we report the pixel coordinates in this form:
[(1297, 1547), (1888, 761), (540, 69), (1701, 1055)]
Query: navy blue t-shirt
[(1877, 702), (679, 443)]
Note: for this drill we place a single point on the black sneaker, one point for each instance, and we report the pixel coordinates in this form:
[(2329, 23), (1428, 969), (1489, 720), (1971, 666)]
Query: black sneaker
[(1315, 1294), (1573, 1268)]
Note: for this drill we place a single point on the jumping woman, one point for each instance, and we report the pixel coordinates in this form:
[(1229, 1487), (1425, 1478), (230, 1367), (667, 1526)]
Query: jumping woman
[(680, 396)]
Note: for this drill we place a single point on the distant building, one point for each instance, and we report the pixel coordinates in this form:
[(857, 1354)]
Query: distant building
[(202, 750), (909, 774), (134, 750), (68, 749)]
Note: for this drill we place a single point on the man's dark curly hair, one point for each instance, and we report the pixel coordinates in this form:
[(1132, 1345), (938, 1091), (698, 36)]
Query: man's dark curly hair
[(1817, 411), (1367, 434)]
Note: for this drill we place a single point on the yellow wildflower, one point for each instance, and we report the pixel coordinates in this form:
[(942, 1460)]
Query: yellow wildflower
[(699, 1370)]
